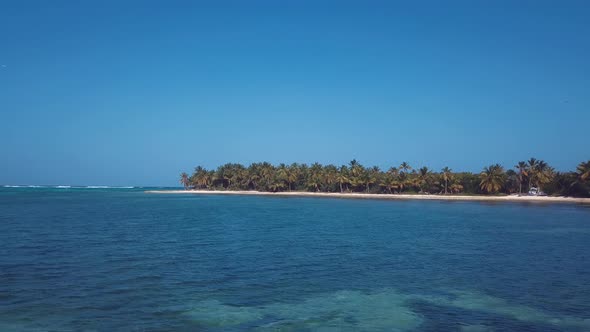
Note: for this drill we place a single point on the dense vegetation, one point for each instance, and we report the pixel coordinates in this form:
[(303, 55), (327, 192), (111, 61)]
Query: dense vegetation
[(355, 177)]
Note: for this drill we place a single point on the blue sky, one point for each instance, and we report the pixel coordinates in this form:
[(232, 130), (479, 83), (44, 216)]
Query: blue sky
[(133, 93)]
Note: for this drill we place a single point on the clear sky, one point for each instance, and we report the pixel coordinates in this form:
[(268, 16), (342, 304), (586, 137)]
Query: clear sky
[(133, 93)]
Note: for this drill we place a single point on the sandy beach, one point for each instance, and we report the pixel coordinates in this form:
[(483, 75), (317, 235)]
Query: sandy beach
[(511, 198)]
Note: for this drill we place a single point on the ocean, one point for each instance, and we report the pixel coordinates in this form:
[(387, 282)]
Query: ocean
[(118, 259)]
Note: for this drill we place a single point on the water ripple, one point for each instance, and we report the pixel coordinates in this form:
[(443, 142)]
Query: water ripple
[(124, 261)]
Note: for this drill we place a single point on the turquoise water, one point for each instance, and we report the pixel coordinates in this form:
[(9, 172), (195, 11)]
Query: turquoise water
[(121, 260)]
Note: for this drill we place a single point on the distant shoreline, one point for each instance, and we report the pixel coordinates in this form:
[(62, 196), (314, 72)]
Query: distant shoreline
[(512, 198)]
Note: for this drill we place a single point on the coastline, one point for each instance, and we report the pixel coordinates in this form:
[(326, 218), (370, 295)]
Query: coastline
[(537, 199)]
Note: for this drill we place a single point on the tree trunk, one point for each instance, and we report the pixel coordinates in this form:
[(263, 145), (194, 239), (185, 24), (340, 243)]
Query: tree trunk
[(529, 183), (446, 183), (341, 187)]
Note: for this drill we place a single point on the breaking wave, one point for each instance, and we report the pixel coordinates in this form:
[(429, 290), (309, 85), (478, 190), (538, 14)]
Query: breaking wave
[(68, 187)]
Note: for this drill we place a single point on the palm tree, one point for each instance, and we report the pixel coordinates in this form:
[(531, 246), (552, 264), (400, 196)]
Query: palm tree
[(404, 181), (511, 181), (531, 170), (446, 174), (302, 175), (223, 175), (244, 179), (583, 171), (267, 173), (281, 174), (343, 177), (184, 180), (314, 179), (356, 172), (253, 176), (209, 178), (291, 175), (405, 167), (492, 178), (522, 173), (371, 176), (277, 184), (391, 180), (543, 174), (236, 176), (330, 176), (423, 178), (393, 171), (456, 188), (201, 177)]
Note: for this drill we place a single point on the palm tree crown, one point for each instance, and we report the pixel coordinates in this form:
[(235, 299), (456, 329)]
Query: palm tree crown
[(492, 178), (583, 170), (446, 175), (184, 180)]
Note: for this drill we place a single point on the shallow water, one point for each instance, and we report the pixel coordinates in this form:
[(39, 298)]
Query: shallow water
[(122, 260)]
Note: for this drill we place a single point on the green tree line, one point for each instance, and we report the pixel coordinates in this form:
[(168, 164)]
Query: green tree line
[(354, 177)]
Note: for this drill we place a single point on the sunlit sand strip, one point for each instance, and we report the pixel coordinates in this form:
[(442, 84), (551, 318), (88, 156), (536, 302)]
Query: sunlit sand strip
[(512, 198)]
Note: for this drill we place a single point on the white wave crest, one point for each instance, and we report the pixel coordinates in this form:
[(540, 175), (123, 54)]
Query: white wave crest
[(23, 186), (108, 187)]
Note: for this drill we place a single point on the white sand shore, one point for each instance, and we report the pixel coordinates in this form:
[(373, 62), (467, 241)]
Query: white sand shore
[(514, 198)]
